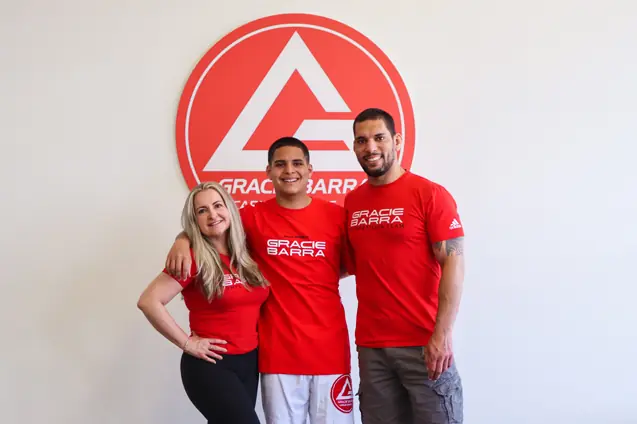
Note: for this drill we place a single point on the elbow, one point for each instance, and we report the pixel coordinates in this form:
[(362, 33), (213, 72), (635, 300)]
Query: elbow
[(143, 303)]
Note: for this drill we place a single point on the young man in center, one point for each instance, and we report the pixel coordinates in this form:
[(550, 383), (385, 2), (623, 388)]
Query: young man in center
[(297, 241), (407, 247)]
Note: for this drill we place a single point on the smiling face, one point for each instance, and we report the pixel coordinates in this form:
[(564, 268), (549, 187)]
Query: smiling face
[(289, 171), (213, 217), (375, 147)]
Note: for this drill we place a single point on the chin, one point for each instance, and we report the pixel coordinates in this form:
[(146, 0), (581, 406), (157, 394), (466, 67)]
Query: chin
[(369, 170), (377, 172), (216, 232), (290, 190)]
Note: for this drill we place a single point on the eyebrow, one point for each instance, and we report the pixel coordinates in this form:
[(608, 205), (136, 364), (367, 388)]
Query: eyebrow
[(291, 160), (218, 202), (375, 135)]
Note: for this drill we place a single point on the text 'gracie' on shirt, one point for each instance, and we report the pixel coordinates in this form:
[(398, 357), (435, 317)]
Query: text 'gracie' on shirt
[(381, 218), (309, 248)]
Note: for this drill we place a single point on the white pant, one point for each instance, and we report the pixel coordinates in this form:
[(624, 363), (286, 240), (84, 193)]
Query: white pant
[(292, 399)]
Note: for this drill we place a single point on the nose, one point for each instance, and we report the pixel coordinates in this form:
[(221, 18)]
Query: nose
[(289, 168), (370, 147)]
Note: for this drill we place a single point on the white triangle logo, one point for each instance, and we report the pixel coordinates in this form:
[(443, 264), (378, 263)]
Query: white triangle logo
[(455, 224), (295, 56), (346, 391)]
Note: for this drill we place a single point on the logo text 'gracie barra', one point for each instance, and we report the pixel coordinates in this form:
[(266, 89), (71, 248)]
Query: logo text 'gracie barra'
[(314, 249), (378, 218), (264, 186)]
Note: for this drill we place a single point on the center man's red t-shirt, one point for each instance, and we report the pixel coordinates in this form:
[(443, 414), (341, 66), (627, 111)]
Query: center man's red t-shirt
[(232, 317), (302, 329), (391, 229)]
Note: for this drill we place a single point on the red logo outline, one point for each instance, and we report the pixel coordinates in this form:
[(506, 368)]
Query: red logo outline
[(338, 387), (187, 138)]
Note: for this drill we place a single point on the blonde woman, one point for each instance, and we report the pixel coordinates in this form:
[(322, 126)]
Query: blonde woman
[(224, 295)]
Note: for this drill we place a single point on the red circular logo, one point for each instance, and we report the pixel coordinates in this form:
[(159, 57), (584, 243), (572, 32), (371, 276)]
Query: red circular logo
[(286, 75), (342, 394)]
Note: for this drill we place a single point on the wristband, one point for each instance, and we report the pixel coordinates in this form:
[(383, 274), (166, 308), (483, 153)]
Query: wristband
[(186, 344)]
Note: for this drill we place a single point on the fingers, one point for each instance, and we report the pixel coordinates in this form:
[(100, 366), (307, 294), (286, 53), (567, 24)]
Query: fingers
[(447, 363), (207, 355), (436, 366), (207, 358), (212, 347), (205, 348), (211, 351), (168, 264), (170, 267), (214, 343), (431, 370), (185, 267), (181, 269), (439, 368), (211, 354)]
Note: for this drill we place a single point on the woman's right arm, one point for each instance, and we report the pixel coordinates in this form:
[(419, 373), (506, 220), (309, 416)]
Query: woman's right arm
[(152, 303)]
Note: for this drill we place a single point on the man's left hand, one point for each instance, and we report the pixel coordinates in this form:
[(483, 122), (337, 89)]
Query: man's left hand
[(438, 355)]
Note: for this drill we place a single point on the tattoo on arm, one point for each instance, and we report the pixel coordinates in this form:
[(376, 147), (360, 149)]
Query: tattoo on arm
[(451, 247)]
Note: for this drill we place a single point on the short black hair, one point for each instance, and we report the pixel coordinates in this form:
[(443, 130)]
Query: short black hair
[(373, 114), (288, 141)]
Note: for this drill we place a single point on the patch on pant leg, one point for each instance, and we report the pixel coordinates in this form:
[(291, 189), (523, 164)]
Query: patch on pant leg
[(451, 399), (342, 394)]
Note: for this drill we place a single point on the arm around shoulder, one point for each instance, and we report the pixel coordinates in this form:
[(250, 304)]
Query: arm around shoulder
[(179, 260)]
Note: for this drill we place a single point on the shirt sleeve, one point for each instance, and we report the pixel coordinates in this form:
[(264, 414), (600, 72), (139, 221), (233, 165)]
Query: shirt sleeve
[(249, 222), (193, 272), (247, 217), (442, 219)]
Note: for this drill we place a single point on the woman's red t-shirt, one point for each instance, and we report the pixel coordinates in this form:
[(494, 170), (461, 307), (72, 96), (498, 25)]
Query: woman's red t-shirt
[(232, 317)]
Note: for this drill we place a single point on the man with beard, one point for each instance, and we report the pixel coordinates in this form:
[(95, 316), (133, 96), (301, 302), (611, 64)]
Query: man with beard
[(297, 241), (406, 240)]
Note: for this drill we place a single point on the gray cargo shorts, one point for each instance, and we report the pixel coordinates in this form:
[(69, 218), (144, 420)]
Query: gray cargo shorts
[(395, 388)]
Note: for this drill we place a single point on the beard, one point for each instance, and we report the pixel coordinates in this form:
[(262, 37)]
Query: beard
[(388, 161)]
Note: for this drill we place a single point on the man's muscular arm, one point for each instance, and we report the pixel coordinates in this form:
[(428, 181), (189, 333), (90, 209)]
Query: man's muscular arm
[(450, 255), (439, 351)]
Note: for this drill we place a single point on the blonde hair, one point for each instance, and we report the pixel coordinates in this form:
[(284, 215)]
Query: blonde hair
[(210, 269)]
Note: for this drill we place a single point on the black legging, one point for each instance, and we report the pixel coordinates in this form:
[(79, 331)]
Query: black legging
[(225, 392)]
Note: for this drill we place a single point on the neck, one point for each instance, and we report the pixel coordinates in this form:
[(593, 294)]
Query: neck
[(220, 244), (394, 173), (295, 201)]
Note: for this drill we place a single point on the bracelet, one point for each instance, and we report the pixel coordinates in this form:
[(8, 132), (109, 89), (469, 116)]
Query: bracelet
[(186, 344)]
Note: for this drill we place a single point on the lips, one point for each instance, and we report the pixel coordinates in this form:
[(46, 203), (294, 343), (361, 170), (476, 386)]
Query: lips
[(215, 223), (372, 159), (289, 180)]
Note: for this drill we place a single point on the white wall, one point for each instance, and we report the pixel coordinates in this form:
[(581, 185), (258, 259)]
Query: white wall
[(525, 111)]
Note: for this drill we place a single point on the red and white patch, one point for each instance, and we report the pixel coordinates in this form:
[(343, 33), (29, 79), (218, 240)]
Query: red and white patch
[(342, 394), (286, 75)]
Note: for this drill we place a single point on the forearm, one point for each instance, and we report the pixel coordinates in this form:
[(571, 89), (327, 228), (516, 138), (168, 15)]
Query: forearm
[(163, 322), (449, 294)]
